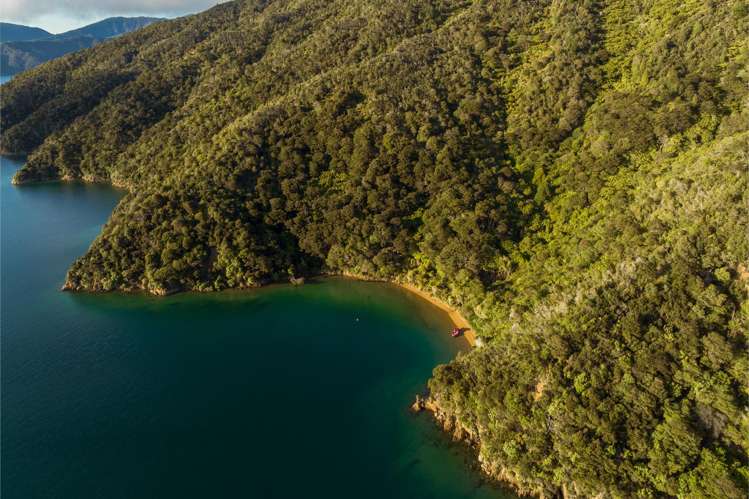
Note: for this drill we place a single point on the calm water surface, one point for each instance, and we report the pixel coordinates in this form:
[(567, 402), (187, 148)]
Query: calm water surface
[(284, 392)]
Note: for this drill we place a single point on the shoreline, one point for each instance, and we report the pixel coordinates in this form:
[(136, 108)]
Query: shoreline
[(469, 333), (455, 317)]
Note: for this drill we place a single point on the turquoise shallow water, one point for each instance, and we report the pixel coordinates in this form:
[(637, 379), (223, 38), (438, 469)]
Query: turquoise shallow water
[(283, 392)]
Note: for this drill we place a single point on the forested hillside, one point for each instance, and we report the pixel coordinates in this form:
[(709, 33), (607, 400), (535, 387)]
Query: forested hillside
[(572, 175)]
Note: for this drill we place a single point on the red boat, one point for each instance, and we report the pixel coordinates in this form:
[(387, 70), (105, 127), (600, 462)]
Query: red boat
[(455, 332)]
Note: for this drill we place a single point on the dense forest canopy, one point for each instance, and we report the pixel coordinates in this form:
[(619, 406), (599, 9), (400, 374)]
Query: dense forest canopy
[(572, 175)]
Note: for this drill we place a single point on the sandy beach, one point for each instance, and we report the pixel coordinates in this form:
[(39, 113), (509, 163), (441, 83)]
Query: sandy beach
[(458, 320)]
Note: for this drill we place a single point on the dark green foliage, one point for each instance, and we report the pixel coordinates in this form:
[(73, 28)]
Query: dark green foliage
[(572, 175)]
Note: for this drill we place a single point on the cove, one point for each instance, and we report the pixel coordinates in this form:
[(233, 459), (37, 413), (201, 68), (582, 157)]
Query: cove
[(283, 392)]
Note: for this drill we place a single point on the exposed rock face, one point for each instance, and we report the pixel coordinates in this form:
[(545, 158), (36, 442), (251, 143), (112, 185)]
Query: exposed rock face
[(423, 403), (163, 291)]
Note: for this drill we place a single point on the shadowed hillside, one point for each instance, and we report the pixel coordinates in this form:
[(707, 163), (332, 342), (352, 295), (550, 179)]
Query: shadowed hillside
[(10, 32), (23, 48)]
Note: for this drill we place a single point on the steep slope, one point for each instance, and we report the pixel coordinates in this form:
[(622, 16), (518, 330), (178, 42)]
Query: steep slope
[(633, 377), (571, 175), (17, 56)]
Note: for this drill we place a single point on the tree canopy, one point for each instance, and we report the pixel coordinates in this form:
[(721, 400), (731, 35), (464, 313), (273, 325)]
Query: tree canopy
[(571, 175)]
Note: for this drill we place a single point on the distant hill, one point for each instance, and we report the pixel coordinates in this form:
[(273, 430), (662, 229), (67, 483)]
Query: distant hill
[(19, 56), (109, 27), (10, 32), (33, 46)]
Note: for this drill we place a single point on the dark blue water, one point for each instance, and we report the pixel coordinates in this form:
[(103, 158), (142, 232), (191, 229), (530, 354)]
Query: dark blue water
[(284, 392)]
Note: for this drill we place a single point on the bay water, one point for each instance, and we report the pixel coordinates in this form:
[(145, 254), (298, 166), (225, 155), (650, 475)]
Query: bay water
[(283, 392)]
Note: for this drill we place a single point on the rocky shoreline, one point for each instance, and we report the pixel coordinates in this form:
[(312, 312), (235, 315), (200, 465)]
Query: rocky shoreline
[(471, 438)]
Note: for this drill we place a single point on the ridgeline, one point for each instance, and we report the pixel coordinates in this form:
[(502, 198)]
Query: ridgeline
[(571, 175), (24, 48)]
